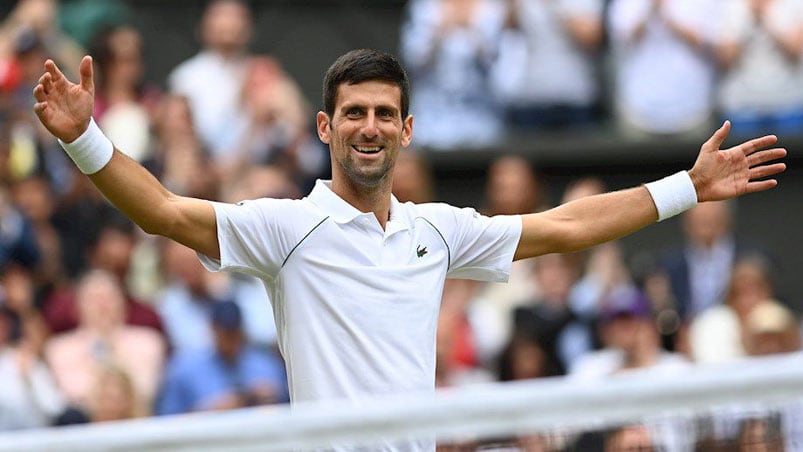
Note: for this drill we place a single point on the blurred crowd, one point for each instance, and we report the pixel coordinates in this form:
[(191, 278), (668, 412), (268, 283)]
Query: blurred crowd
[(99, 321)]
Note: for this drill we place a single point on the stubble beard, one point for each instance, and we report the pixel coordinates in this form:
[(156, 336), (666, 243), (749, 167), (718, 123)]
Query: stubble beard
[(367, 178)]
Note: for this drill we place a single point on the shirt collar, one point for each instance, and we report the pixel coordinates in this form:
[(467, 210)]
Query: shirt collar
[(342, 212)]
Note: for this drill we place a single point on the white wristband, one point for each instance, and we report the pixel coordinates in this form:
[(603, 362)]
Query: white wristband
[(673, 194), (91, 151)]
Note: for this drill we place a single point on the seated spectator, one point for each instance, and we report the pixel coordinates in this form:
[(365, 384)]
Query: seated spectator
[(187, 300), (114, 397), (101, 339), (228, 375), (17, 236), (717, 334), (760, 48), (448, 47), (630, 438), (550, 317), (29, 397), (630, 338), (412, 178), (700, 270), (111, 252), (525, 358), (545, 73), (771, 328)]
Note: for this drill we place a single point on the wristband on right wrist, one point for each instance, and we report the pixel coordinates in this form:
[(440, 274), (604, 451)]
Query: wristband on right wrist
[(91, 151), (673, 194)]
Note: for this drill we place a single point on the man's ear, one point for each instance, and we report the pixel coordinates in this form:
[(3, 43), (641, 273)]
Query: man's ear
[(407, 131), (324, 127)]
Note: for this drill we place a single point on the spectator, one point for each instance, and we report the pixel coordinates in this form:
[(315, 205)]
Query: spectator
[(717, 334), (412, 178), (771, 328), (110, 252), (513, 187), (186, 302), (181, 159), (550, 317), (279, 131), (630, 338), (114, 396), (102, 338), (546, 72), (28, 396), (36, 200), (525, 358), (760, 49), (665, 76), (701, 271), (630, 438), (123, 103), (225, 32), (17, 236), (228, 375), (449, 46)]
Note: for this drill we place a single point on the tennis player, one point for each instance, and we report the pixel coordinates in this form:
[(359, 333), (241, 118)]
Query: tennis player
[(354, 275)]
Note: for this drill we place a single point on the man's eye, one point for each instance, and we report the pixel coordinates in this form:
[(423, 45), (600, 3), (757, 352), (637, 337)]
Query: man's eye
[(353, 112)]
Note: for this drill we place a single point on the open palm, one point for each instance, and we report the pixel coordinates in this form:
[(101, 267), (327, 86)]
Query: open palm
[(726, 173), (63, 107)]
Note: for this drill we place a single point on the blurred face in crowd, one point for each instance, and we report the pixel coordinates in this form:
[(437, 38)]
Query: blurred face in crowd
[(749, 285), (226, 26), (555, 277), (113, 252), (411, 179), (630, 439), (707, 223), (125, 66), (101, 303), (365, 133), (114, 396), (512, 187), (34, 198), (182, 264)]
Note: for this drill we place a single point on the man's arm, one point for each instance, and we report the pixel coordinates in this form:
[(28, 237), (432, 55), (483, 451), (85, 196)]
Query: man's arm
[(65, 109), (716, 175)]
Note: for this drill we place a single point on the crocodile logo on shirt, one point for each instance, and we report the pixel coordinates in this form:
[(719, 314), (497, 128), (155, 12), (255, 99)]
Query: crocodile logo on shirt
[(421, 251)]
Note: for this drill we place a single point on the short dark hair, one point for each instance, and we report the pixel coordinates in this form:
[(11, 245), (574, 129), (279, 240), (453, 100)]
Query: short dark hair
[(362, 65)]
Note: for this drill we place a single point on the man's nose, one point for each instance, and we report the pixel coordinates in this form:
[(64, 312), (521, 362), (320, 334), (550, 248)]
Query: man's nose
[(369, 129)]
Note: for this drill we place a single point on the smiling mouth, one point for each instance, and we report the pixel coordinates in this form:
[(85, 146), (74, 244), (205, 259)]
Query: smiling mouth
[(367, 149)]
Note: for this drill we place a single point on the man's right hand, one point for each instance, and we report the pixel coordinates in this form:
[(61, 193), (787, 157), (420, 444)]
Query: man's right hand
[(65, 108)]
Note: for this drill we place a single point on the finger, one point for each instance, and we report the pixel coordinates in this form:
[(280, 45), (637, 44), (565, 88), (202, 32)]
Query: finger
[(716, 140), (766, 170), (54, 71), (753, 187), (39, 93), (87, 80), (766, 156), (46, 82), (755, 144), (39, 107)]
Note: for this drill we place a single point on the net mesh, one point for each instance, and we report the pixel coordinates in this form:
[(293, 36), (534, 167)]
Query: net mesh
[(755, 405)]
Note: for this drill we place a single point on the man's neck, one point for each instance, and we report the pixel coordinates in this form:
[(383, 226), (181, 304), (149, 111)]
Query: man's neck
[(375, 199)]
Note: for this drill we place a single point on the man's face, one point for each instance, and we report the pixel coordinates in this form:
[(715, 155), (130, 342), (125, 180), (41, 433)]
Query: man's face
[(365, 132)]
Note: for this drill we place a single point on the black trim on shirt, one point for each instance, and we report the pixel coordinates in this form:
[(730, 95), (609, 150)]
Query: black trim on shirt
[(302, 240), (448, 250)]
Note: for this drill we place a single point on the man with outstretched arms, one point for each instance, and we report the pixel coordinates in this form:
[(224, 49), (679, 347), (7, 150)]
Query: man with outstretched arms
[(356, 276)]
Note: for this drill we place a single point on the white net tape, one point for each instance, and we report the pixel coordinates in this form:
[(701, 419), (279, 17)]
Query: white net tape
[(476, 412)]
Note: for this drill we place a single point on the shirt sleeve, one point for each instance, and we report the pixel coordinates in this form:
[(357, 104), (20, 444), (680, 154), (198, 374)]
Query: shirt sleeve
[(482, 247), (254, 236)]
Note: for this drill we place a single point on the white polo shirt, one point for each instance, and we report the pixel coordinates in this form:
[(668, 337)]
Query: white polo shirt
[(356, 307)]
